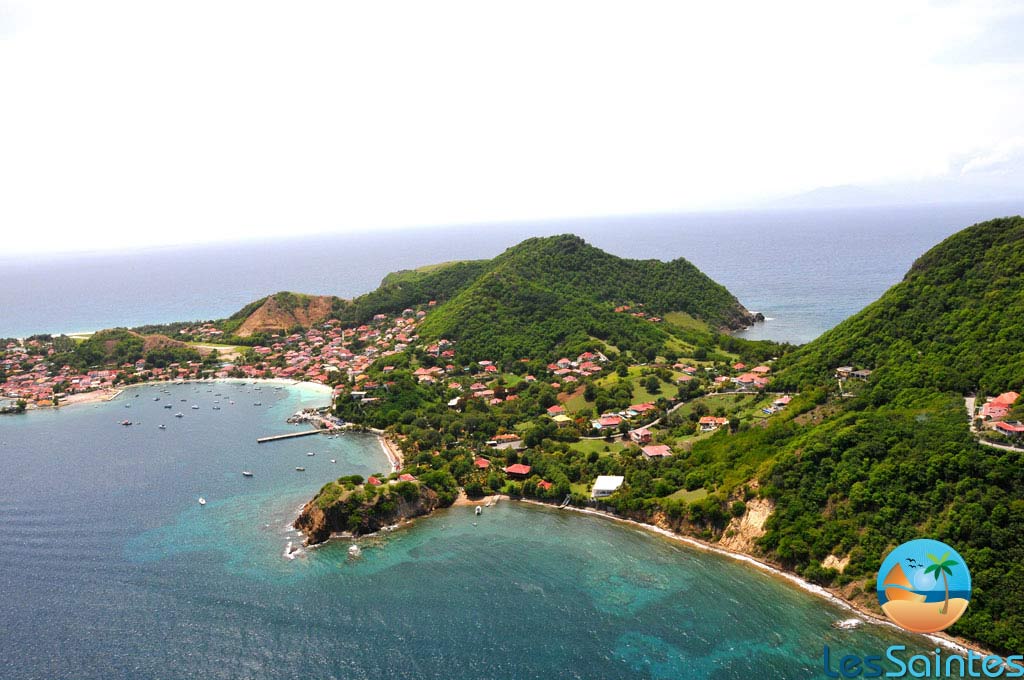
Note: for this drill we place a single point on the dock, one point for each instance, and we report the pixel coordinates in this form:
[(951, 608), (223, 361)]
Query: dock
[(287, 435)]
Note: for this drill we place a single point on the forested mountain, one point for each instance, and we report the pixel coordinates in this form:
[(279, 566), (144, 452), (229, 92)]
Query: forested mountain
[(856, 475), (546, 293), (953, 323)]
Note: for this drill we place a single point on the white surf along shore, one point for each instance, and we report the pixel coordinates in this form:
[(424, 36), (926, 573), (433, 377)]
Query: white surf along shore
[(958, 646)]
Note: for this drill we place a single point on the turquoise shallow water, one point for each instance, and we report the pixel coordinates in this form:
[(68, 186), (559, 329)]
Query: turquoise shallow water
[(109, 568)]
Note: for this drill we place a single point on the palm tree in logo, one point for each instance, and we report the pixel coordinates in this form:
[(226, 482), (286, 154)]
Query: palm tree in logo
[(941, 566)]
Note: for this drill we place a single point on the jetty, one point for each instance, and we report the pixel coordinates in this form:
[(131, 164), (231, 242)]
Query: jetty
[(288, 435)]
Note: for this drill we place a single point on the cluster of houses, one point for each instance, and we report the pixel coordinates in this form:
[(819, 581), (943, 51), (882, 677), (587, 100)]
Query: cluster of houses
[(31, 377), (748, 379), (326, 354), (612, 421), (637, 312), (994, 414), (329, 353)]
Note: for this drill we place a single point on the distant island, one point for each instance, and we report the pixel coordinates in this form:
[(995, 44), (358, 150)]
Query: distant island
[(562, 374)]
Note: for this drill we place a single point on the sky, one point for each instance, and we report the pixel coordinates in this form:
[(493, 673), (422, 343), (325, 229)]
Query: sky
[(131, 124)]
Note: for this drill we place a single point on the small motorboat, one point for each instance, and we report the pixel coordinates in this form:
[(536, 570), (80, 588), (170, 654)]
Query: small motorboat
[(195, 407), (246, 473), (127, 405), (300, 469), (478, 510), (179, 415), (202, 501), (161, 427), (333, 461), (156, 398), (354, 550), (257, 403), (167, 406), (216, 408), (126, 423), (310, 453)]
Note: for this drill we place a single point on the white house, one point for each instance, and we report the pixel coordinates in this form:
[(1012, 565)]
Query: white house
[(606, 485)]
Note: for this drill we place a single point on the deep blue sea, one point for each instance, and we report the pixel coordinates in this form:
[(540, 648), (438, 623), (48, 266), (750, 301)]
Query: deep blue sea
[(109, 568), (805, 270)]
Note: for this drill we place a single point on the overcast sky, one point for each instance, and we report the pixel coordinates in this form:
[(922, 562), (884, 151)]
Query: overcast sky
[(135, 123)]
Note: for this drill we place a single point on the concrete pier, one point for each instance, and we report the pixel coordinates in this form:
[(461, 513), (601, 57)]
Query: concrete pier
[(288, 435)]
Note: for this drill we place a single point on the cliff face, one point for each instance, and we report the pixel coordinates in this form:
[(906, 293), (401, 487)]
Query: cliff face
[(361, 510)]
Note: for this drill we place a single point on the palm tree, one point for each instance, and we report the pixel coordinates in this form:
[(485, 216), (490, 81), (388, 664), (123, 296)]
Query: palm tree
[(941, 566)]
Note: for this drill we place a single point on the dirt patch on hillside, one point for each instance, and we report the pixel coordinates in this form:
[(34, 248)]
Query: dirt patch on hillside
[(743, 531), (272, 315)]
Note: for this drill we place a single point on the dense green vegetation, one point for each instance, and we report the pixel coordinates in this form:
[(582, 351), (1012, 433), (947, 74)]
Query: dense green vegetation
[(851, 473), (115, 347), (556, 293), (411, 288), (952, 324), (897, 461)]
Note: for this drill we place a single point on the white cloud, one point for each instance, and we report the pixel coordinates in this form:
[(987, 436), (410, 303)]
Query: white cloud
[(128, 123), (996, 158)]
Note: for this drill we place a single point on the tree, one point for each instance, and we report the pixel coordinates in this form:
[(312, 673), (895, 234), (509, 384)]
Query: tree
[(942, 566), (653, 385)]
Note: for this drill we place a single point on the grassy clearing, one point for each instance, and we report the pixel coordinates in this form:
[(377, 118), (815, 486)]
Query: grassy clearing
[(587, 446), (746, 407), (636, 381), (576, 402), (688, 496), (685, 321)]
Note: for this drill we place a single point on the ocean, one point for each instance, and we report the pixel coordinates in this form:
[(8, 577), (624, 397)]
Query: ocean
[(804, 270), (110, 568)]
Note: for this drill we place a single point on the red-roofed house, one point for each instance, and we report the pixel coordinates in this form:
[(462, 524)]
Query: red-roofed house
[(482, 463), (1006, 399), (542, 484), (606, 421), (406, 477), (711, 423), (555, 410), (373, 481), (518, 470), (656, 451), (1012, 429)]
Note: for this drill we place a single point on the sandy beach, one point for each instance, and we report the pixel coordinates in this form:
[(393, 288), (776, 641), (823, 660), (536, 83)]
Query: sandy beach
[(464, 500), (92, 397), (97, 396), (393, 452)]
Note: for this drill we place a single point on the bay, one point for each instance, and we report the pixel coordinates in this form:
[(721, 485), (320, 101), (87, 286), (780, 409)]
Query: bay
[(109, 567)]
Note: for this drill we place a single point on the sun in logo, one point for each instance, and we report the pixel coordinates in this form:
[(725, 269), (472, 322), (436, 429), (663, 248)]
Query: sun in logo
[(924, 586)]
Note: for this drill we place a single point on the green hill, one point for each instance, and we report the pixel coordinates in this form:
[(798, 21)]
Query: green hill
[(854, 476), (552, 293), (953, 323)]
